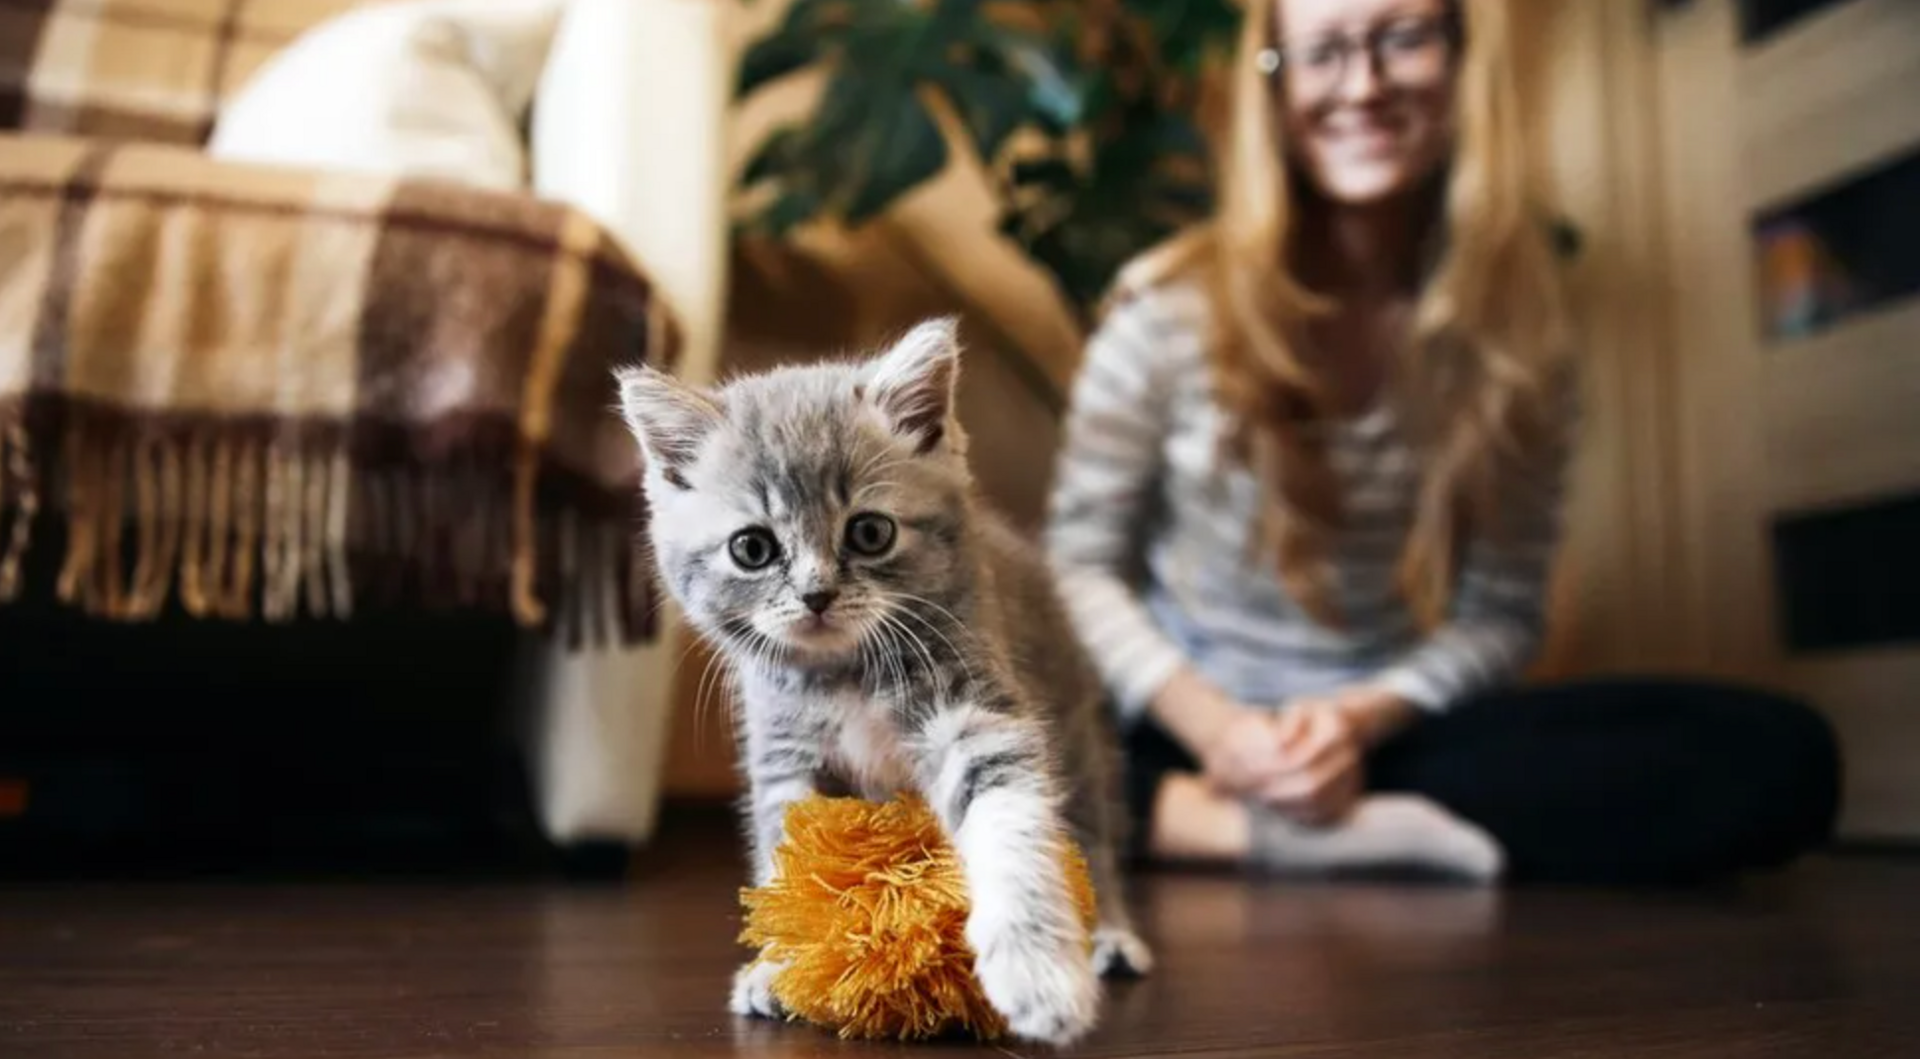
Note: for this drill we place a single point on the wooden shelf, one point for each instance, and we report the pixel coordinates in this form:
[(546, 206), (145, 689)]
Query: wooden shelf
[(1831, 95), (1841, 413), (1869, 696)]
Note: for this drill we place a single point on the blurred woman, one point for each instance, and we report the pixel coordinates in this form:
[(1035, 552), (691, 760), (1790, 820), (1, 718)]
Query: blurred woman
[(1311, 490)]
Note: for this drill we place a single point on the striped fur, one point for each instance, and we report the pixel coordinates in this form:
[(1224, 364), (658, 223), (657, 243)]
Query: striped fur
[(949, 667)]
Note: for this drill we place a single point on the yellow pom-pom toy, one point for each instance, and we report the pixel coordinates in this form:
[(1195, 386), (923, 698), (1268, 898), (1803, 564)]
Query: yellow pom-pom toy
[(868, 911)]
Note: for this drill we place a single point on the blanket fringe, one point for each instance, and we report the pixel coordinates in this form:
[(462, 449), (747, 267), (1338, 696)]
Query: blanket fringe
[(197, 520), (19, 500), (239, 525)]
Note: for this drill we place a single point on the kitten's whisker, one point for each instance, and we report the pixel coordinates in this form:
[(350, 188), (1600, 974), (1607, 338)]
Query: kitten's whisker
[(925, 602), (701, 705), (888, 654), (860, 651), (886, 461), (919, 645), (761, 650), (871, 486), (725, 686), (726, 682), (693, 641), (896, 669), (935, 629), (877, 668), (963, 657)]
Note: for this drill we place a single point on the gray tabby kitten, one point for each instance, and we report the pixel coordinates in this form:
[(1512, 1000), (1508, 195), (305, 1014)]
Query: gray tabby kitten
[(887, 632)]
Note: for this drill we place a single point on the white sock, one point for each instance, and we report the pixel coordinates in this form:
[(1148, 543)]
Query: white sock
[(1384, 831)]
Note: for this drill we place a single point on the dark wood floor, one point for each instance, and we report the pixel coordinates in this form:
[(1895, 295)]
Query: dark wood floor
[(1824, 962)]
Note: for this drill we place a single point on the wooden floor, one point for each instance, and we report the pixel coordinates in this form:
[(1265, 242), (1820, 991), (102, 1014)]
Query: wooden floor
[(1822, 963)]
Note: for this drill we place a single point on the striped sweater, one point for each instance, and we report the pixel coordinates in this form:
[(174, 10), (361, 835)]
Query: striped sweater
[(1149, 534)]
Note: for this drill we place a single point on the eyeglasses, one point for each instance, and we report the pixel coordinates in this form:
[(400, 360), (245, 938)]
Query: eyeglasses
[(1410, 52)]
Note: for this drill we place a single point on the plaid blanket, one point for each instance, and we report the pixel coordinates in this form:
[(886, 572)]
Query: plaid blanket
[(152, 70), (268, 392)]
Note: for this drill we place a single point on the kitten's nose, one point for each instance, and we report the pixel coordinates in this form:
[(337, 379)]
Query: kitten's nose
[(818, 602)]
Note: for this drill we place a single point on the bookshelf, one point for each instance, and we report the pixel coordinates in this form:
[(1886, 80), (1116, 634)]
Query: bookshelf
[(1791, 154)]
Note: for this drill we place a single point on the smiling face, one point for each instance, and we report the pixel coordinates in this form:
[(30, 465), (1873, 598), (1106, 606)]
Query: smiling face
[(1366, 93), (796, 516)]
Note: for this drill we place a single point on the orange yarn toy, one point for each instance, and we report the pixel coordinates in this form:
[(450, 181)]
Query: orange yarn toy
[(868, 909)]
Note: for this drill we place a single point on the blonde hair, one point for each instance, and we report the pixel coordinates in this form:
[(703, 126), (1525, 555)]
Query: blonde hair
[(1488, 342)]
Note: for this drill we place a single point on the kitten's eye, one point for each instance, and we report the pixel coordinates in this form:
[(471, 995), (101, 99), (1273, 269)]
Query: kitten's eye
[(753, 549), (870, 534)]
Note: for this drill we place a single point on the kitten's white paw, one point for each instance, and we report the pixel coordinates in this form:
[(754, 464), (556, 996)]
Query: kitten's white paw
[(753, 991), (1119, 952), (1051, 996)]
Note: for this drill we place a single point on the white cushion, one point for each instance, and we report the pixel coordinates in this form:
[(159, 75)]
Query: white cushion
[(432, 89)]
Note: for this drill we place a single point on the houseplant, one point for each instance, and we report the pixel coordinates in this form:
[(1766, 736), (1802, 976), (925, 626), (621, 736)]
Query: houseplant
[(1086, 112)]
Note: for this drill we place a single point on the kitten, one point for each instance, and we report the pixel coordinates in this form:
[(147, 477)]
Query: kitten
[(886, 631)]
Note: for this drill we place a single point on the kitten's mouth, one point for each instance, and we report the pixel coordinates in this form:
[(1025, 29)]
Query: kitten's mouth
[(820, 634)]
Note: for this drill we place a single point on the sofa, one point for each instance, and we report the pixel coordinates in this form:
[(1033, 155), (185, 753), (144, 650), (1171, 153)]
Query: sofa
[(250, 410)]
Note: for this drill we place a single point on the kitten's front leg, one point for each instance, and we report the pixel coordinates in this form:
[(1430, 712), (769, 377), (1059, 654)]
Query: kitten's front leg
[(782, 762), (988, 776)]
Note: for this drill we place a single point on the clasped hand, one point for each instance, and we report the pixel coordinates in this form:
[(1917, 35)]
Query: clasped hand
[(1305, 761)]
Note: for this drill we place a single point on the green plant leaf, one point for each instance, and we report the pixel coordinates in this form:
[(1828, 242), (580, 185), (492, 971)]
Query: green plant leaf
[(1143, 147), (1005, 66), (1176, 134), (789, 211), (780, 151), (1188, 33), (771, 58), (949, 19), (992, 107), (899, 150), (808, 16), (843, 112)]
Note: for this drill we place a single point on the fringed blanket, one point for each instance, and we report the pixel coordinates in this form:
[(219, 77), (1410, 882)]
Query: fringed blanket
[(157, 71), (268, 393)]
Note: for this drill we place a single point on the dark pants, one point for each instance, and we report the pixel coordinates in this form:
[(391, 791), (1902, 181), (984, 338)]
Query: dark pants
[(1605, 781)]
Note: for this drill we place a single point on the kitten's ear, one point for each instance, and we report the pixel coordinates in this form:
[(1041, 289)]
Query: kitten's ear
[(667, 417), (913, 383)]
